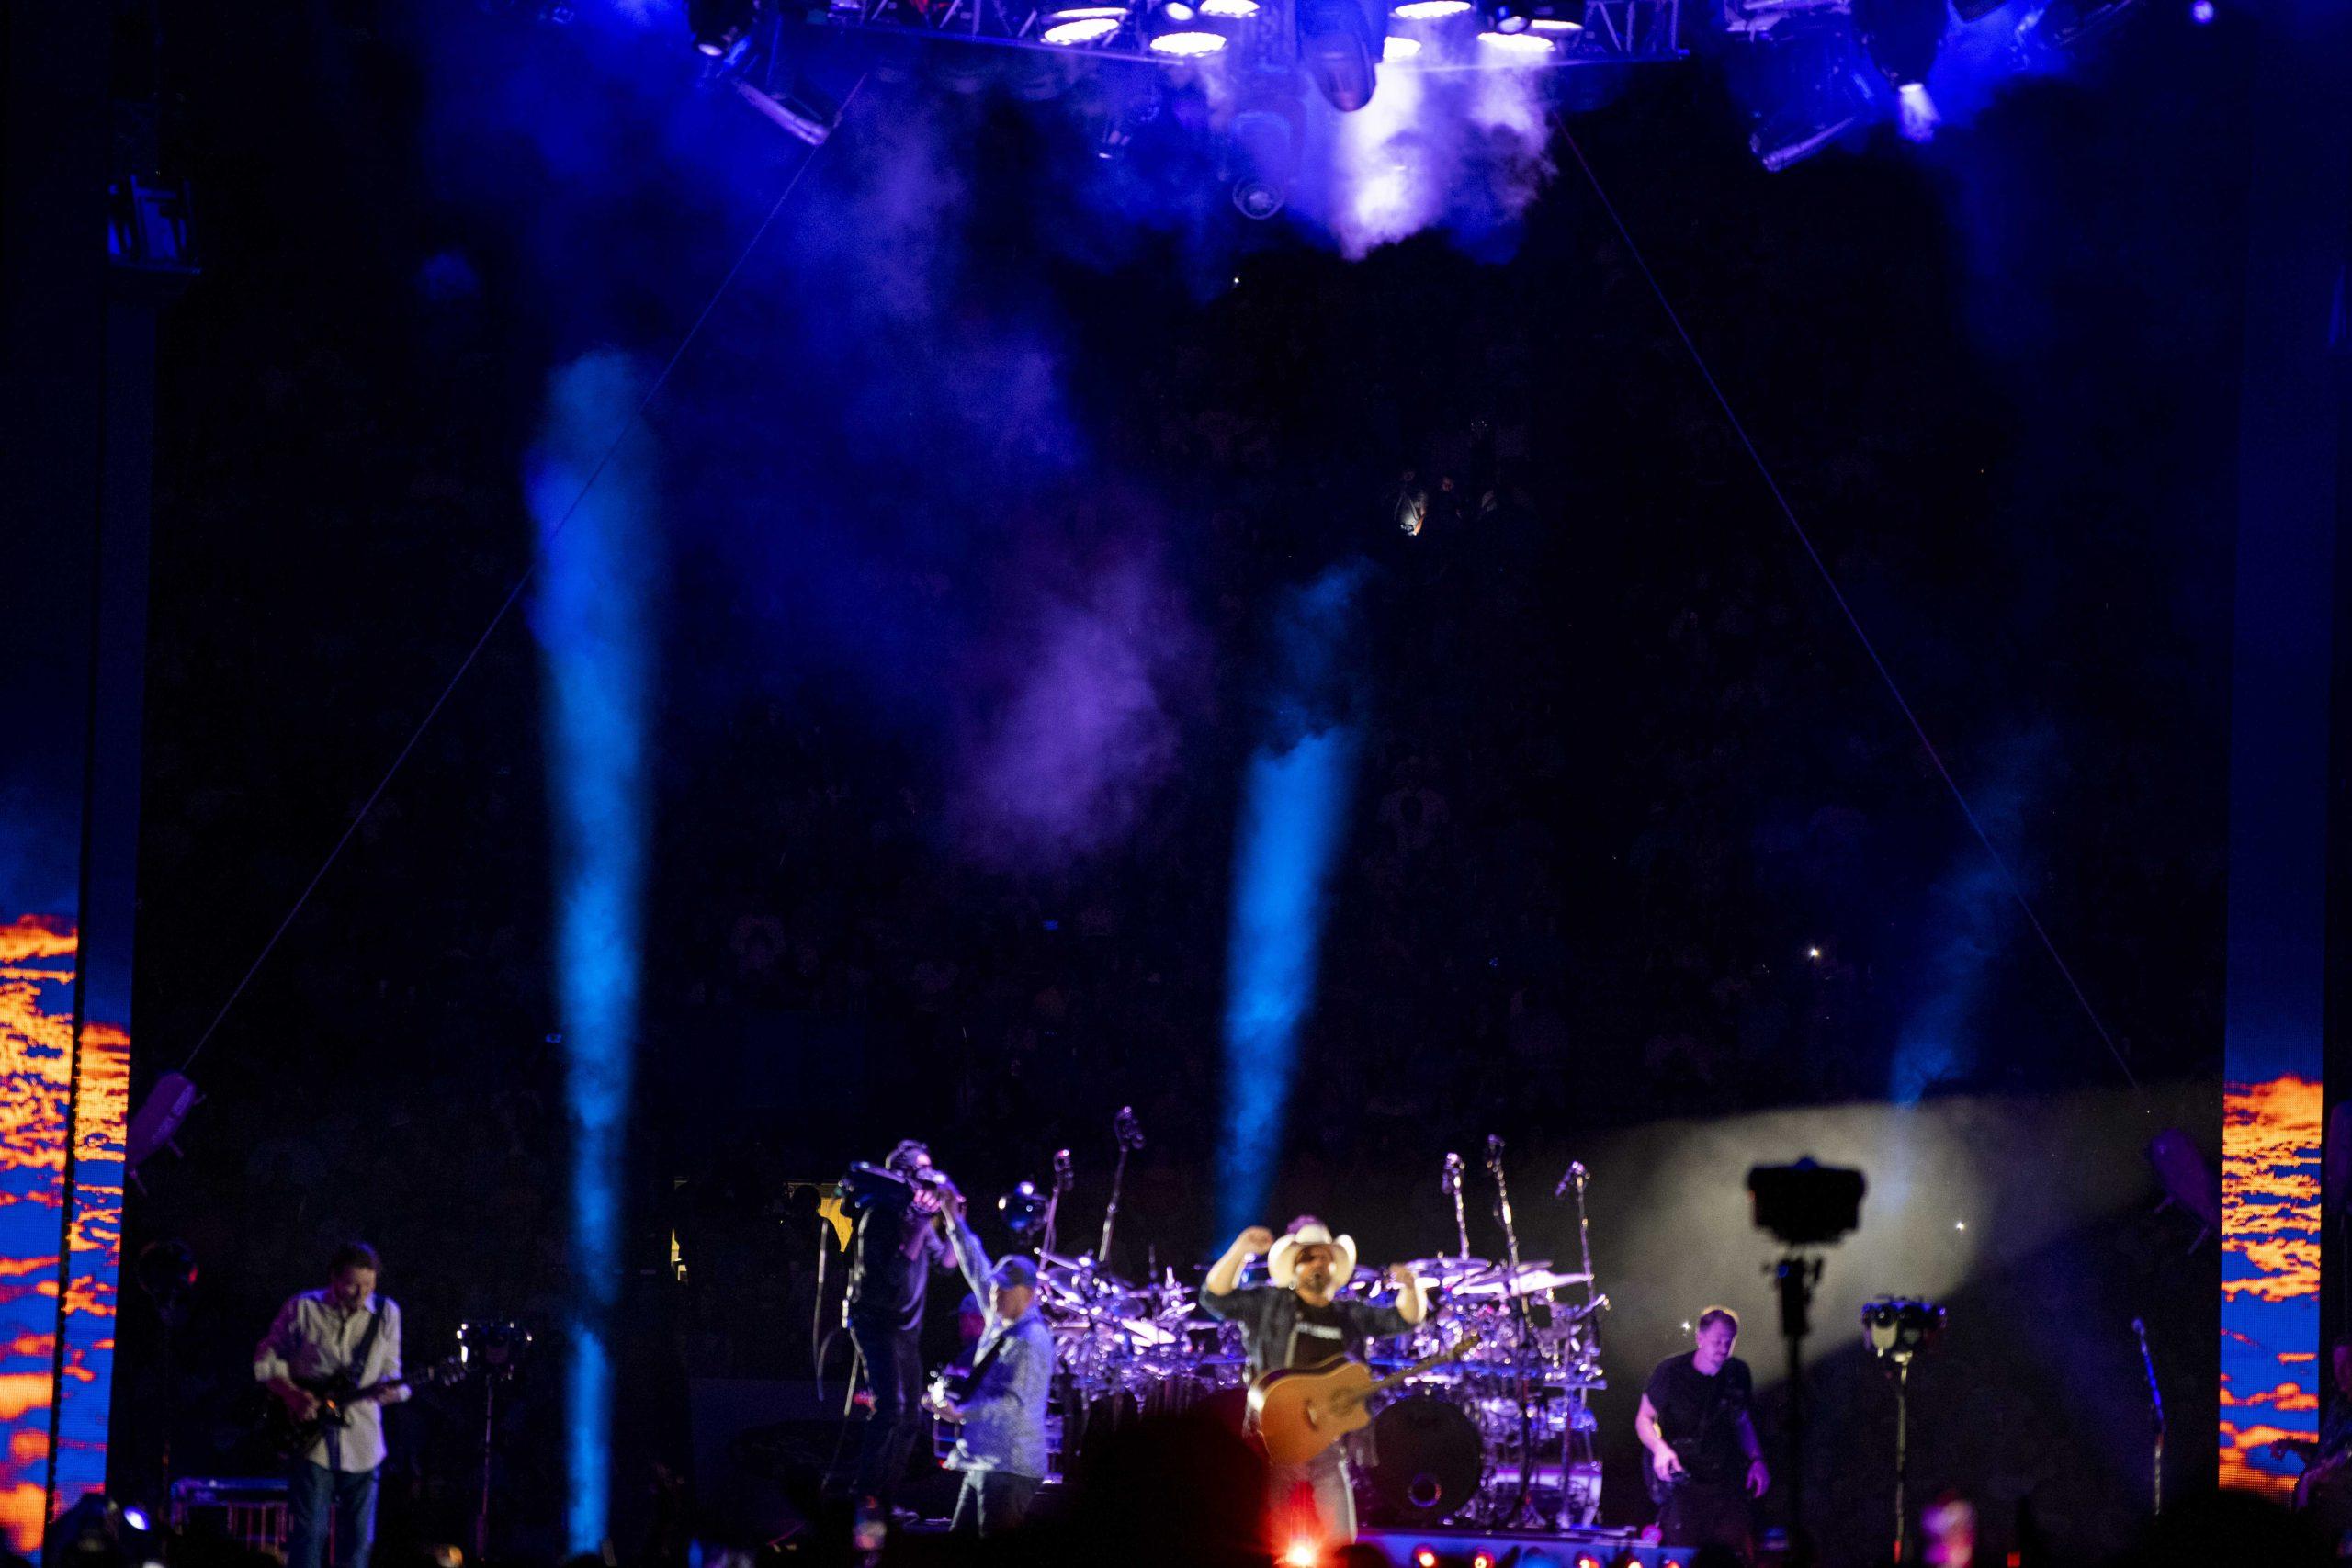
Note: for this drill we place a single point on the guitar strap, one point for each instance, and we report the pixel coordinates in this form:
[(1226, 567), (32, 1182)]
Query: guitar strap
[(970, 1384), (357, 1371)]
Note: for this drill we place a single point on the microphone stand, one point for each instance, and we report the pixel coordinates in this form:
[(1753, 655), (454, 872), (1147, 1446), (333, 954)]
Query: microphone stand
[(2157, 1413), (1451, 1185), (1054, 1200), (1129, 1133)]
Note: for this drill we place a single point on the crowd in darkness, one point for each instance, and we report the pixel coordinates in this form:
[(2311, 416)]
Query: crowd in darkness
[(1635, 833)]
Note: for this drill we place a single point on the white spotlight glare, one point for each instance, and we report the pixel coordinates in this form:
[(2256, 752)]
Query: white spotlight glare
[(1915, 112), (1232, 10), (1089, 13), (1086, 30), (1188, 45), (1431, 10), (1522, 46), (1554, 27), (1396, 49)]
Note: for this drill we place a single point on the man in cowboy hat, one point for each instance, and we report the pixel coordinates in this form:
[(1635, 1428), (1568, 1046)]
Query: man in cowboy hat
[(1297, 1321)]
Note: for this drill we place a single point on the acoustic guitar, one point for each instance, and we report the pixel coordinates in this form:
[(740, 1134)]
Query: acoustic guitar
[(1297, 1413)]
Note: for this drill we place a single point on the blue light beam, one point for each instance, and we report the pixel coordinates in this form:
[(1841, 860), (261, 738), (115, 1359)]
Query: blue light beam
[(592, 615), (1294, 817)]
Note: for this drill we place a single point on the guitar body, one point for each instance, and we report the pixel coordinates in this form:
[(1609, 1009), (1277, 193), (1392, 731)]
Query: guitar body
[(1297, 1414), (337, 1396)]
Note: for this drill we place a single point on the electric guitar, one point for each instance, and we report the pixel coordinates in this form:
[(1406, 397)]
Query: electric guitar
[(338, 1395), (1297, 1413)]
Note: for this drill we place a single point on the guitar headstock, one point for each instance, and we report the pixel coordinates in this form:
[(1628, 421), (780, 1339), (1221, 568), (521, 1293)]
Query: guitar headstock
[(441, 1374)]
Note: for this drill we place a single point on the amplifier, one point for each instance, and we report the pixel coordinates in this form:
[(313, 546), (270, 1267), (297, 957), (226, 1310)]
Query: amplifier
[(250, 1510)]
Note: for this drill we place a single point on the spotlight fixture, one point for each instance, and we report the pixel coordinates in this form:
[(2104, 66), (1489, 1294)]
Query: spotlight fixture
[(720, 27), (1431, 10), (1806, 1204), (1526, 47), (801, 109), (1187, 45), (1394, 49), (1339, 44), (1902, 36), (1263, 153), (1506, 17), (1178, 11), (1081, 29)]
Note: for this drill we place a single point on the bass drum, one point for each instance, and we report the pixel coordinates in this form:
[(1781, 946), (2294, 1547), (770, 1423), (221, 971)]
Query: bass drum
[(1427, 1463)]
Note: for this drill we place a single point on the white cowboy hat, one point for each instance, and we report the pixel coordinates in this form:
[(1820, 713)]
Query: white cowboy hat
[(1282, 1259)]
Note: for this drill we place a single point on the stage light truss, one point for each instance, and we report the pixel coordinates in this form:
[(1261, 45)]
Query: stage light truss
[(1599, 32)]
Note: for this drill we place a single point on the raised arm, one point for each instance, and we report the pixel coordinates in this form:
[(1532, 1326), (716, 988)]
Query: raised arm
[(1226, 1273), (971, 1258)]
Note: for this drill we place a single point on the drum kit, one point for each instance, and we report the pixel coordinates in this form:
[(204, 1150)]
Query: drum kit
[(1500, 1438)]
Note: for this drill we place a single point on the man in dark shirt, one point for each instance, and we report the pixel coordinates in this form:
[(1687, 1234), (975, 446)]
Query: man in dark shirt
[(1705, 1463), (1297, 1322), (897, 1243)]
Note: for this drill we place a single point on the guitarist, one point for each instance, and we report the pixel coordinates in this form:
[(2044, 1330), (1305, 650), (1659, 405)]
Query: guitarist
[(1000, 1402), (1705, 1462), (1297, 1321), (337, 1340)]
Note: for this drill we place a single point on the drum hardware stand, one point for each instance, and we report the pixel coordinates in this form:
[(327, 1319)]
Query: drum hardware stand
[(1795, 1275), (1522, 1506), (1129, 1133), (1570, 1443), (1804, 1206), (2156, 1413)]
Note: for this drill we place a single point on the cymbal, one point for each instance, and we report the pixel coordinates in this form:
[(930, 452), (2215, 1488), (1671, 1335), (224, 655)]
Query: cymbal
[(1449, 1270), (1533, 1277)]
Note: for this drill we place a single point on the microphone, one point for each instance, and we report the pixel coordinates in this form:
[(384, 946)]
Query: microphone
[(1450, 1182), (1574, 1177)]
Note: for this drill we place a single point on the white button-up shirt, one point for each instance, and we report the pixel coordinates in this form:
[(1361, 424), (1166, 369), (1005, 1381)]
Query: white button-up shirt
[(312, 1341)]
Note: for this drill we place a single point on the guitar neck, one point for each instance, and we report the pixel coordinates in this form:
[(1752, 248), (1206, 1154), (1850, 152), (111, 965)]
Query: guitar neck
[(1455, 1354)]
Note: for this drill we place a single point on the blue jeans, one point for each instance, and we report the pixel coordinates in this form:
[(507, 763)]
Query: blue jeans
[(1328, 1481), (311, 1492)]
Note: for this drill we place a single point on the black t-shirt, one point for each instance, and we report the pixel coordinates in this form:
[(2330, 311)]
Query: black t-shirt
[(887, 1279), (1321, 1334), (1700, 1415)]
